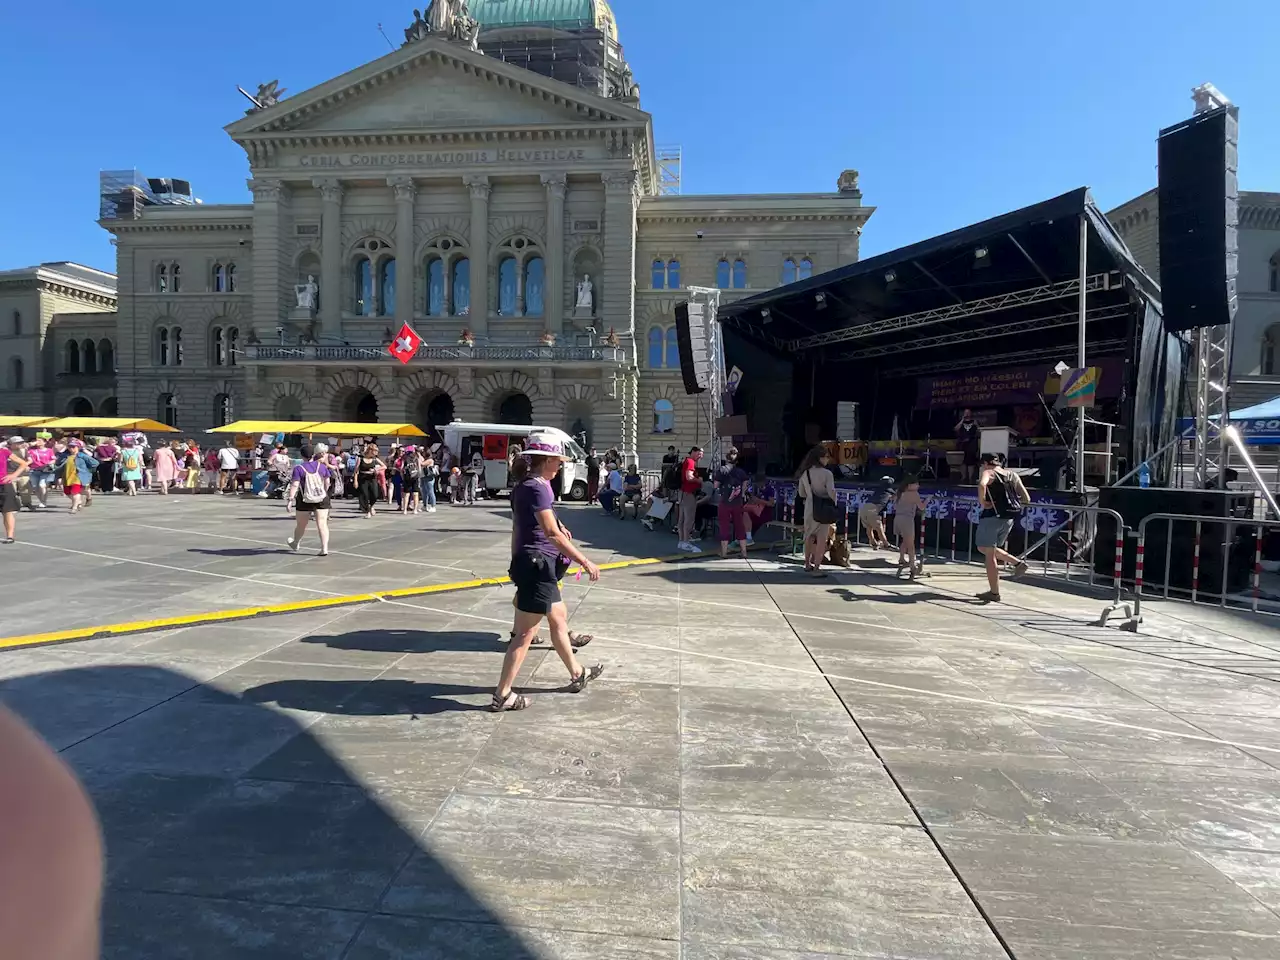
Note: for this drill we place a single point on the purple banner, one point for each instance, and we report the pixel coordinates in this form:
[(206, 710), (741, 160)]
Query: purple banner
[(1006, 386)]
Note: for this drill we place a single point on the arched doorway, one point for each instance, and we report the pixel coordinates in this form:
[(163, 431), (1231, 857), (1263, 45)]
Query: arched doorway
[(79, 407), (434, 410), (288, 408), (108, 407), (515, 408), (356, 405)]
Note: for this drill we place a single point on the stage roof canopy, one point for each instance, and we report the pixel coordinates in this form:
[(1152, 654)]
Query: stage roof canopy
[(1008, 285)]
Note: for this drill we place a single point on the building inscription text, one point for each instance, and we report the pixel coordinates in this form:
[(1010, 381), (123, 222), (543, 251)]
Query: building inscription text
[(442, 158)]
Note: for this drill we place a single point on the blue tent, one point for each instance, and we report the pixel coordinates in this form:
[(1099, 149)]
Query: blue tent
[(1259, 425)]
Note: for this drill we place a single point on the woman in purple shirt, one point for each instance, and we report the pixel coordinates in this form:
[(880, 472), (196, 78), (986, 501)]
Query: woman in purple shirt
[(541, 552), (308, 495)]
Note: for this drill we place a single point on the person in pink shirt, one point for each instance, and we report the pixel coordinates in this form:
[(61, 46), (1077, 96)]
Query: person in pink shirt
[(40, 457)]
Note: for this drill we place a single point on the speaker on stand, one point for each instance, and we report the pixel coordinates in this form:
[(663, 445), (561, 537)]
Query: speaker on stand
[(695, 350)]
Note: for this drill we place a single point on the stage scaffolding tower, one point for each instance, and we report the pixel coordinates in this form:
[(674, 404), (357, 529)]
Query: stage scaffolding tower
[(1211, 403)]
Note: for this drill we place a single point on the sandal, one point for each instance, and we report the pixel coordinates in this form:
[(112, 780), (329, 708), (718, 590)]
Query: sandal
[(511, 702), (576, 640), (579, 683)]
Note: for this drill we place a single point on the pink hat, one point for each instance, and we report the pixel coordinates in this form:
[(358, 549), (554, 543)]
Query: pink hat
[(545, 445)]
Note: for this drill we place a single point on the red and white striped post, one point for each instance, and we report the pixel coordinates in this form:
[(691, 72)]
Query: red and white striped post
[(920, 550), (1257, 566), (1195, 561), (1071, 518), (1119, 568), (952, 511), (1138, 560)]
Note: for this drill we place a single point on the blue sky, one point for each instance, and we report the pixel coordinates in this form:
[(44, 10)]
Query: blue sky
[(953, 110)]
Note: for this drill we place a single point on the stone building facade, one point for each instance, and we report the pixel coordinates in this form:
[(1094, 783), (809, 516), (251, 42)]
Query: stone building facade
[(1255, 349), (474, 199)]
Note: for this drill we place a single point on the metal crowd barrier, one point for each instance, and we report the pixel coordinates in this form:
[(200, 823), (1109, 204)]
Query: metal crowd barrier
[(1196, 590)]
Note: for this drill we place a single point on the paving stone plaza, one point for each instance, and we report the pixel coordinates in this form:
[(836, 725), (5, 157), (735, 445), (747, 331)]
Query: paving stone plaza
[(771, 767)]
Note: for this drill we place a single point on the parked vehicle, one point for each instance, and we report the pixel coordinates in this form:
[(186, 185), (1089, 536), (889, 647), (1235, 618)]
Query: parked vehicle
[(466, 439)]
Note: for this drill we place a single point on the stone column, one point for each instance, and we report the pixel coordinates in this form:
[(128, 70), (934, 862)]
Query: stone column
[(405, 273), (270, 215), (618, 309), (478, 322), (330, 255), (553, 296)]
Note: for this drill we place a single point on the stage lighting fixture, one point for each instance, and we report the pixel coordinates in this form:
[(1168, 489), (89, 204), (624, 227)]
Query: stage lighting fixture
[(981, 257), (890, 276), (820, 301), (766, 315)]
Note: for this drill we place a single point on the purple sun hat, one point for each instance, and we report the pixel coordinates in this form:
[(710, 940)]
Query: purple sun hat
[(544, 445)]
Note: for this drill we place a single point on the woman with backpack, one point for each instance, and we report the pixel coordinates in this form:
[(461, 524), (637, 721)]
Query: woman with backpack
[(308, 496), (410, 481), (130, 466)]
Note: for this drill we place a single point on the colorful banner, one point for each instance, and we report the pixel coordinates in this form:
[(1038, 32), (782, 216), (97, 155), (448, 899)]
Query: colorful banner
[(1006, 386), (1080, 387)]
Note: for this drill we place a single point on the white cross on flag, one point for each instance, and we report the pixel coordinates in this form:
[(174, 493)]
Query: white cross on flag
[(405, 344)]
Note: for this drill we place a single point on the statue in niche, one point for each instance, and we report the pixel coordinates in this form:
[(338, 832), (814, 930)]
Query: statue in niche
[(306, 293), (586, 297)]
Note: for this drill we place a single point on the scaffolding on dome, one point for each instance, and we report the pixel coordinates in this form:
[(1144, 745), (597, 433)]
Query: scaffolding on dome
[(123, 194), (575, 52)]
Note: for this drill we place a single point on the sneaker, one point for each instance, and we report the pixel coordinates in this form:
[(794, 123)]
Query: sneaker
[(7, 540), (431, 509), (750, 540), (262, 494), (694, 548), (293, 544)]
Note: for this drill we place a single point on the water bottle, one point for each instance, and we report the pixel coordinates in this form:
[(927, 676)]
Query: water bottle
[(1144, 476)]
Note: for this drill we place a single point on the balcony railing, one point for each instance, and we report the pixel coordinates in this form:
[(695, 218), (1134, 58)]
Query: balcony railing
[(350, 353)]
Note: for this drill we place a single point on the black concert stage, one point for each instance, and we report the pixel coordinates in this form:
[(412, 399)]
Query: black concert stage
[(974, 318)]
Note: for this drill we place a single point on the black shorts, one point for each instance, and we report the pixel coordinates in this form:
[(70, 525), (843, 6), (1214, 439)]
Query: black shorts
[(537, 580), (304, 507), (9, 498), (410, 487)]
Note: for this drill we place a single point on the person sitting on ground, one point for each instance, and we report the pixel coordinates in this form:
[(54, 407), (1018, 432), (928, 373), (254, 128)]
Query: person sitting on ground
[(1002, 497), (762, 499), (632, 490), (871, 513)]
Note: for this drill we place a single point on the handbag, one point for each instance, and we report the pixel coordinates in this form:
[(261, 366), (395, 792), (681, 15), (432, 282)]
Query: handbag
[(824, 508)]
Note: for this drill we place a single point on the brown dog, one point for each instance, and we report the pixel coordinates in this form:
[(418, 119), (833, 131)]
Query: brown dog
[(838, 550)]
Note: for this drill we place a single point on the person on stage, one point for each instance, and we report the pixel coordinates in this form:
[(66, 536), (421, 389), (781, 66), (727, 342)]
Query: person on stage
[(968, 441)]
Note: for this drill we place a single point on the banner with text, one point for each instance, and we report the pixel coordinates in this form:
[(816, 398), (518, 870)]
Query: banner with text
[(1009, 385)]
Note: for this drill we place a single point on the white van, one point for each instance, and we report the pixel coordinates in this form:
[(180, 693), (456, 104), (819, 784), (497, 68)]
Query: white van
[(466, 438)]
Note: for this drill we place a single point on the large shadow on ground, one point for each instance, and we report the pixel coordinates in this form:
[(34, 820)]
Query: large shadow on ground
[(208, 859)]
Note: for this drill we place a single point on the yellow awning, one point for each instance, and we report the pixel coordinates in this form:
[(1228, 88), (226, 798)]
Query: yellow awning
[(365, 430), (22, 421), (266, 426), (107, 423)]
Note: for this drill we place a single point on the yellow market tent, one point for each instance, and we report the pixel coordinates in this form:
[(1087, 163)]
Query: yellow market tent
[(365, 430), (266, 426), (107, 423), (21, 421)]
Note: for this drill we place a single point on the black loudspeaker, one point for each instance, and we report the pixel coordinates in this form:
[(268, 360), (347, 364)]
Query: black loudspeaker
[(695, 354), (1222, 543), (1198, 220)]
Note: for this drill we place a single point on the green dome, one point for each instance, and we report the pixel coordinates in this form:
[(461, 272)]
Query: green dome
[(512, 13)]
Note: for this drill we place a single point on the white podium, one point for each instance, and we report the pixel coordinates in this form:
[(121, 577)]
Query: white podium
[(996, 440)]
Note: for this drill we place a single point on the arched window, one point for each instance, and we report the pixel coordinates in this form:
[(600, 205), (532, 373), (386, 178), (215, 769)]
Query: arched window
[(231, 278), (175, 278), (162, 278), (162, 347), (106, 356), (89, 357), (364, 305), (222, 413), (673, 275), (17, 323), (673, 348), (659, 279), (739, 274), (788, 271), (167, 410), (1273, 282), (176, 333), (664, 416), (219, 278), (722, 275), (387, 287), (73, 356), (435, 287), (507, 287), (806, 268), (534, 287), (233, 345), (219, 347), (656, 337), (461, 287), (17, 375), (1271, 350)]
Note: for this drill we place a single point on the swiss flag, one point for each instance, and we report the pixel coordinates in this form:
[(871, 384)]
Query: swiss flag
[(405, 344)]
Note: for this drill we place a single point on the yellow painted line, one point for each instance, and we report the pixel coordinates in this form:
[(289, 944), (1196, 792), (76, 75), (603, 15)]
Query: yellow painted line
[(245, 613)]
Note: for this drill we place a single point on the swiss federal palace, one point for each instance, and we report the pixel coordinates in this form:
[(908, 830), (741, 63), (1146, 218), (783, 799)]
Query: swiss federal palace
[(493, 182)]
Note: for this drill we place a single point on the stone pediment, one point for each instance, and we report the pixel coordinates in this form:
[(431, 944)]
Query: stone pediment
[(431, 85)]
